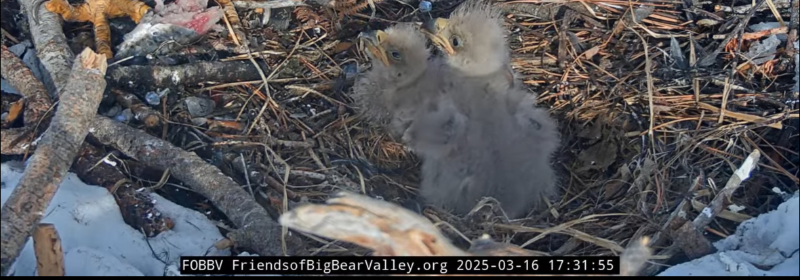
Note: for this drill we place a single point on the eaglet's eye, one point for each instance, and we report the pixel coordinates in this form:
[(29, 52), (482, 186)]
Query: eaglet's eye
[(395, 55), (456, 41)]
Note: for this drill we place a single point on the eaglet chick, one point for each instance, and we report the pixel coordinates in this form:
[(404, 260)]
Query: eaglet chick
[(473, 42), (467, 156), (399, 79)]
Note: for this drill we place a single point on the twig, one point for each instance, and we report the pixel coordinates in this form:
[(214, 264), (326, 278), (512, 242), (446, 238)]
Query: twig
[(710, 58), (650, 87), (741, 116), (141, 112), (691, 238), (256, 230), (54, 155), (716, 205), (756, 34)]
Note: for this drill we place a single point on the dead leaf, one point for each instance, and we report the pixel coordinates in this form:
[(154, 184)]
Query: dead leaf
[(620, 180), (598, 157), (591, 52), (707, 22), (15, 111), (342, 46)]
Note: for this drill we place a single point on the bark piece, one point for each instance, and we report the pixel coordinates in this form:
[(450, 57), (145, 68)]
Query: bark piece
[(49, 254)]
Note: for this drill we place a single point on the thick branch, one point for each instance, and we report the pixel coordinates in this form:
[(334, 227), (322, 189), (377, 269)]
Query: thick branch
[(37, 102), (53, 156), (387, 228), (391, 230), (187, 74), (257, 231), (135, 203), (51, 45)]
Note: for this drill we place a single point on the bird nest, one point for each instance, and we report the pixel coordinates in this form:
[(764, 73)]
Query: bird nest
[(647, 141)]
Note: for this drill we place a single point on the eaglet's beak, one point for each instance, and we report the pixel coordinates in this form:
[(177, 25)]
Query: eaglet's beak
[(432, 28), (372, 42)]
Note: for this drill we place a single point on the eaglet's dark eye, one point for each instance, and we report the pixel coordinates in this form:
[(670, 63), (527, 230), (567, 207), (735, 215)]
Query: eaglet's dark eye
[(456, 41), (395, 55)]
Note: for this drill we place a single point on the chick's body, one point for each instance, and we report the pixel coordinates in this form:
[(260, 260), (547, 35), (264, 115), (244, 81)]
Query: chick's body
[(472, 147), (456, 166), (474, 46), (475, 138)]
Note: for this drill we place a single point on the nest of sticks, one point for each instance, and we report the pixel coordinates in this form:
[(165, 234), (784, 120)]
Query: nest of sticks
[(659, 104)]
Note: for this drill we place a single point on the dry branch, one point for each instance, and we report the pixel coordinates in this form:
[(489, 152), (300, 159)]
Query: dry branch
[(256, 230), (387, 228), (743, 9), (16, 141), (134, 201), (390, 230), (794, 24), (53, 156), (731, 186), (140, 111), (49, 254), (741, 116), (690, 235), (37, 102), (51, 46), (152, 77), (273, 4)]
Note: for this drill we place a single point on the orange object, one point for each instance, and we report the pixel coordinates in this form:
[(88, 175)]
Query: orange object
[(98, 12)]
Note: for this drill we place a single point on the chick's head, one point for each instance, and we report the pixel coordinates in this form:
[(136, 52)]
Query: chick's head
[(400, 51), (472, 38)]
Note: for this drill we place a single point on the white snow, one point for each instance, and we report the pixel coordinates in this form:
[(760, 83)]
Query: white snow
[(97, 242), (766, 245)]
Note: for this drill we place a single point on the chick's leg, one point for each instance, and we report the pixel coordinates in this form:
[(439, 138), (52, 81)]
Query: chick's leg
[(97, 12), (102, 35), (81, 13), (134, 9)]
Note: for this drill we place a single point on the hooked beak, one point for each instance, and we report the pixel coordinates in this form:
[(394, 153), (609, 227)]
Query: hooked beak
[(373, 45), (431, 29)]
